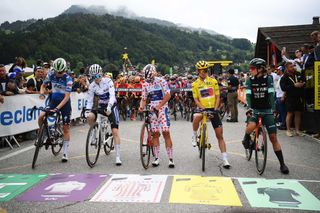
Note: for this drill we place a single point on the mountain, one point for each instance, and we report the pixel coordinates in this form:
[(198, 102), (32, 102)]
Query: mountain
[(124, 12), (85, 39)]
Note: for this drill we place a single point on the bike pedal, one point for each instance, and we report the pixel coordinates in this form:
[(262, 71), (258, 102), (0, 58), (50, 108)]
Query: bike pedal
[(209, 146)]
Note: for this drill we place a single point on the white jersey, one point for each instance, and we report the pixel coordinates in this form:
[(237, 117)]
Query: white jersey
[(104, 90)]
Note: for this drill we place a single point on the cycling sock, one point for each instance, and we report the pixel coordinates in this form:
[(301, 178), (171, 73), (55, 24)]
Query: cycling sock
[(280, 157), (117, 146), (65, 147), (156, 150), (224, 156), (170, 153)]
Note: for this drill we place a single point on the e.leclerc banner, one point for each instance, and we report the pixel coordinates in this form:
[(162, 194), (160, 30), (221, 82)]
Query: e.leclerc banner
[(15, 112)]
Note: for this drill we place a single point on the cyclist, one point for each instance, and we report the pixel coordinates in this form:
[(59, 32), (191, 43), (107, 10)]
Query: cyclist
[(159, 93), (260, 97), (61, 84), (104, 89), (206, 95)]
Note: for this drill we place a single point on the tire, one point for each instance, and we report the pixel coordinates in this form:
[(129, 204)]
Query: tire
[(92, 160), (57, 145), (261, 150), (203, 146), (39, 143), (249, 151), (145, 149), (123, 110)]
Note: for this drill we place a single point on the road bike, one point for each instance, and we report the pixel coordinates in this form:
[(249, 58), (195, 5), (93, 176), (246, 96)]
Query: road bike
[(146, 136), (50, 132), (99, 134), (258, 143), (202, 139)]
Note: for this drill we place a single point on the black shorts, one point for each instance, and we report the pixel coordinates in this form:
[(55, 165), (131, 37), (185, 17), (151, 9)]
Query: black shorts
[(65, 110), (113, 117), (216, 121), (294, 104)]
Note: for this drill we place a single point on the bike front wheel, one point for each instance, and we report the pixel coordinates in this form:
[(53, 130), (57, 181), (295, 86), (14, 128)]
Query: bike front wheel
[(203, 146), (39, 143), (145, 147), (93, 145), (261, 149)]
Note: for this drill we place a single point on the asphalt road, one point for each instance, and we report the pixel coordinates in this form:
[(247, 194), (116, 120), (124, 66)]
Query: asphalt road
[(302, 155)]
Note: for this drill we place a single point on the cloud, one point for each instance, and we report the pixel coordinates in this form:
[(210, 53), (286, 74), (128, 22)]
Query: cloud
[(230, 17)]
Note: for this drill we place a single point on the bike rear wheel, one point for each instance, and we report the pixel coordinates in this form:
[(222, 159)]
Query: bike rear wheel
[(93, 145), (39, 143), (145, 148), (261, 149)]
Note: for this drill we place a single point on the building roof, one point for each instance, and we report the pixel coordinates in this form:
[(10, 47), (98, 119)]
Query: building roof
[(291, 37)]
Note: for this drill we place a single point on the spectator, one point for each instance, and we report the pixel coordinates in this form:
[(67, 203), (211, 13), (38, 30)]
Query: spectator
[(11, 88), (16, 72), (293, 83), (308, 63), (3, 79), (80, 84), (316, 39), (280, 100), (233, 84), (34, 83), (46, 69), (271, 71), (298, 61)]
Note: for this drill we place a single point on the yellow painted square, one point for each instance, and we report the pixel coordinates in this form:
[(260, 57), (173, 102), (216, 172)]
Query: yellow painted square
[(204, 190)]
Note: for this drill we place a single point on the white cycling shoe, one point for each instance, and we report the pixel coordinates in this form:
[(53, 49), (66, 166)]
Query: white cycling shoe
[(118, 161), (156, 162), (226, 164)]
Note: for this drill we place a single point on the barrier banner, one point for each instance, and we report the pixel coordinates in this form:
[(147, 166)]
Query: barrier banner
[(15, 115)]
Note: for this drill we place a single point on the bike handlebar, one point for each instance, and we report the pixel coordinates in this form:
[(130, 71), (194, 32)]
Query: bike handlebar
[(46, 110)]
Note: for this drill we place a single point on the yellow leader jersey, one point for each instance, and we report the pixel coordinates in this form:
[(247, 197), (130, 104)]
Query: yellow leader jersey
[(205, 91)]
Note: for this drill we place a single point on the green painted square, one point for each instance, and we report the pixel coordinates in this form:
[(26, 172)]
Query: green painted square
[(11, 185), (278, 193)]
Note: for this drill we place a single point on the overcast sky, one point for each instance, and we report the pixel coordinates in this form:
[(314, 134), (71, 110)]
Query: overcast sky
[(235, 18)]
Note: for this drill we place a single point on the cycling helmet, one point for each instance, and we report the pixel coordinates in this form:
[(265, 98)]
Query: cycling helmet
[(257, 62), (137, 79), (95, 69), (59, 65), (202, 65), (149, 71)]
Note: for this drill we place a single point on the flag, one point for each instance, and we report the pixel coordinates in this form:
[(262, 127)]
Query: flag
[(274, 54)]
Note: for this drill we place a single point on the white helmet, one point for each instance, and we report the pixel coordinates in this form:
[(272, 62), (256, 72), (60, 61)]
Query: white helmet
[(95, 69), (149, 70), (59, 65)]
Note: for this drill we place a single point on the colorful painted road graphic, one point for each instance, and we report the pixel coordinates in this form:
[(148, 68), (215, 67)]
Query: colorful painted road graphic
[(65, 187), (11, 185), (204, 190), (186, 189), (132, 188), (278, 193)]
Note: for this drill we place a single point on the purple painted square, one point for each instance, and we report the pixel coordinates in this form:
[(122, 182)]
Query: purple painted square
[(64, 187)]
